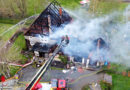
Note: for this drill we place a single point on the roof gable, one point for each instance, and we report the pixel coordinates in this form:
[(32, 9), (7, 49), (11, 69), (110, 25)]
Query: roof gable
[(53, 11)]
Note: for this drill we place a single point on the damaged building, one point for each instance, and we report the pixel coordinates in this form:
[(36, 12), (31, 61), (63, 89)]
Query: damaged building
[(53, 17)]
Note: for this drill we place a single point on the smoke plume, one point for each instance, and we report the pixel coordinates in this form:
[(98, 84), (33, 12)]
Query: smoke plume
[(84, 29)]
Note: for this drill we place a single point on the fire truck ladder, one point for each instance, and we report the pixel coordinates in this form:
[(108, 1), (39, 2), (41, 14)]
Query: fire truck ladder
[(44, 67)]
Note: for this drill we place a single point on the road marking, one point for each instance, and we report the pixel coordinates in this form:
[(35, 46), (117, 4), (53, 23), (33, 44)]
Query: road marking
[(87, 75)]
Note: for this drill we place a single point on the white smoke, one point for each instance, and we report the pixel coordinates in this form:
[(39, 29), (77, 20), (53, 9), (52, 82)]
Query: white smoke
[(120, 41), (84, 30)]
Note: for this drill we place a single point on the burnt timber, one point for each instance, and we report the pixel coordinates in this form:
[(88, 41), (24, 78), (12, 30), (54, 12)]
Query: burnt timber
[(41, 24)]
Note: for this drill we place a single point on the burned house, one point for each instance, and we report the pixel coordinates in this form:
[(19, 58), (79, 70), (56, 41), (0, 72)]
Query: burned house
[(98, 53), (54, 16)]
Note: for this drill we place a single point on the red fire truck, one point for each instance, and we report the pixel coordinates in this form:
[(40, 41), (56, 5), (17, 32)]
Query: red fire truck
[(58, 84)]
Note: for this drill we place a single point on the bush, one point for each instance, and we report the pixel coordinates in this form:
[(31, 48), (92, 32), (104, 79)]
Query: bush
[(105, 86), (63, 59), (86, 87), (54, 68)]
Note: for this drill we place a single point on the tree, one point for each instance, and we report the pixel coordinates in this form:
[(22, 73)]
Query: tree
[(12, 8)]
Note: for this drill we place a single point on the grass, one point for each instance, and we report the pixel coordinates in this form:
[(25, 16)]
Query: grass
[(54, 68), (18, 45), (4, 27), (6, 35), (86, 87), (118, 67), (14, 53), (63, 59), (9, 20), (115, 68), (105, 86), (34, 7), (13, 70), (108, 7), (38, 6), (120, 82), (70, 4), (20, 41)]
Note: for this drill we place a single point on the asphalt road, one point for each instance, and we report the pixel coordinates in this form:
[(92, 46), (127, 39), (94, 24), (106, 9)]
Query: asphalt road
[(27, 73), (76, 80), (85, 80)]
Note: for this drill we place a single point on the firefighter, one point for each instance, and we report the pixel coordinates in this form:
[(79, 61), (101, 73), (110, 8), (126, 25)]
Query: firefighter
[(66, 39)]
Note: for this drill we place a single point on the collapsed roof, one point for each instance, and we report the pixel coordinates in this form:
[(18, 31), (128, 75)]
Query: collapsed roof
[(57, 17)]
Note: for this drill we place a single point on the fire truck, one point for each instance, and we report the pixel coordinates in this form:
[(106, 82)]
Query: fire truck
[(58, 84)]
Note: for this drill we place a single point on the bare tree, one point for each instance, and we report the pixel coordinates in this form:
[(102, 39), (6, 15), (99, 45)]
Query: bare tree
[(22, 6), (3, 62), (11, 8), (5, 58)]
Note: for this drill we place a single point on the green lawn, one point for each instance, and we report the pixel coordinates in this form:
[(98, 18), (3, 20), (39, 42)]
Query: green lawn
[(9, 21), (4, 27), (5, 33), (70, 4), (116, 68), (107, 7), (38, 6), (18, 45), (120, 82)]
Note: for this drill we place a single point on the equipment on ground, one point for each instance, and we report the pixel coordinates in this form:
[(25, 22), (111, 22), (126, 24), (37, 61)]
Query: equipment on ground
[(46, 65)]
